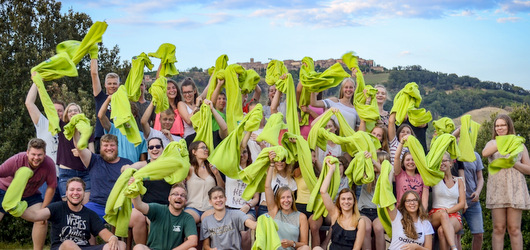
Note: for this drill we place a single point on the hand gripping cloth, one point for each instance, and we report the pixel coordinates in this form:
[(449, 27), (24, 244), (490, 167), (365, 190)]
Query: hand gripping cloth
[(12, 202), (315, 204), (123, 118), (81, 123)]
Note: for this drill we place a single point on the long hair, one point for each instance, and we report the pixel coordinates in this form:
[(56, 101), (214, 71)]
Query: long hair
[(278, 196), (356, 214), (194, 146), (509, 122), (407, 221), (403, 125), (178, 98), (384, 143), (249, 156), (189, 82), (65, 114), (403, 161), (341, 92)]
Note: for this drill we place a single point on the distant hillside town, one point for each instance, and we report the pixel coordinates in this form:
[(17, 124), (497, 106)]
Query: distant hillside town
[(324, 64)]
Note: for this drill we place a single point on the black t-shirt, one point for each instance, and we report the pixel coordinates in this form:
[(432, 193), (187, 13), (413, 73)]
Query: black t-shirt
[(74, 226)]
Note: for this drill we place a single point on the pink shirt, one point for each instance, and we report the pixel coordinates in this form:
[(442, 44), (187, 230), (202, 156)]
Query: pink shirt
[(44, 173), (404, 183), (304, 130)]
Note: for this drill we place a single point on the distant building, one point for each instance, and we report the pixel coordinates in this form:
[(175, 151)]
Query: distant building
[(294, 64)]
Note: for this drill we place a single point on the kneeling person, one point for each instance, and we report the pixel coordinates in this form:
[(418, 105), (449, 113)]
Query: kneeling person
[(221, 230)]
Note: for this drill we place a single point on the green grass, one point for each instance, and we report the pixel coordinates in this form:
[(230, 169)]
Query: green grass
[(373, 79), (12, 245)]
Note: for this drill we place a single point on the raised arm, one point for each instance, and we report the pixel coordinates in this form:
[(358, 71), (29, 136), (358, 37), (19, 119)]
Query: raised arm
[(183, 111), (328, 202), (275, 103), (33, 110), (217, 90), (223, 128), (139, 204), (392, 126), (316, 103), (96, 84), (105, 122), (397, 157), (257, 93), (269, 193), (145, 120)]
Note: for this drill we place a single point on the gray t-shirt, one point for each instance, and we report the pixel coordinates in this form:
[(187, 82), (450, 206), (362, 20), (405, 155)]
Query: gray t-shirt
[(470, 173), (224, 233)]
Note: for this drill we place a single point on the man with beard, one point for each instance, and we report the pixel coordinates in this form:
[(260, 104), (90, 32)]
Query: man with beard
[(104, 170), (171, 227), (43, 169), (72, 223)]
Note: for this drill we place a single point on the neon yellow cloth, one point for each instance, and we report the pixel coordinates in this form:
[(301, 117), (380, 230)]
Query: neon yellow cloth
[(82, 124), (384, 197), (123, 118), (267, 237), (511, 145), (315, 204), (254, 174), (136, 75), (313, 137), (275, 69), (68, 46), (158, 92), (406, 101), (468, 139), (54, 68), (350, 59), (317, 82), (300, 152), (227, 154), (202, 123), (166, 53), (361, 170), (429, 166), (248, 81), (364, 141), (91, 38), (442, 126), (271, 131), (12, 202), (234, 105), (220, 64), (118, 208)]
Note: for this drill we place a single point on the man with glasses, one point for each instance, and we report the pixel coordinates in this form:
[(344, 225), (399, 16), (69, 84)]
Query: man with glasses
[(171, 228)]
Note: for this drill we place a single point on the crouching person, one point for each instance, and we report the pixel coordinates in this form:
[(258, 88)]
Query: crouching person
[(171, 228)]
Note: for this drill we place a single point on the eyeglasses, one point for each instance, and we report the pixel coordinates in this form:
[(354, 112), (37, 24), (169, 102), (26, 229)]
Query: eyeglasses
[(445, 160), (411, 201), (154, 146), (502, 125), (187, 92), (203, 148), (183, 195)]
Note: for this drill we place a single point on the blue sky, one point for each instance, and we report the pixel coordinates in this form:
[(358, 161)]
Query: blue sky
[(486, 39)]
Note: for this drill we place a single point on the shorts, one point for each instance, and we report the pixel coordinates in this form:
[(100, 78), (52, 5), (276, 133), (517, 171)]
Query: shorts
[(474, 220), (452, 215), (371, 213), (302, 208), (196, 211), (98, 208), (66, 174), (251, 212), (262, 210), (31, 200), (95, 247)]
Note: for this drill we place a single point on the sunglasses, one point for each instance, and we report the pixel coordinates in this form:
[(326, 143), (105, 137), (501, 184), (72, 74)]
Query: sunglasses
[(154, 146)]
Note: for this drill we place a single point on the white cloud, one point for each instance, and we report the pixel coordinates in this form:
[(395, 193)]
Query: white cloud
[(508, 19), (405, 53)]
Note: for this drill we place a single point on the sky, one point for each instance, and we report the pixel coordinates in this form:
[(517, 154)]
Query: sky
[(486, 39)]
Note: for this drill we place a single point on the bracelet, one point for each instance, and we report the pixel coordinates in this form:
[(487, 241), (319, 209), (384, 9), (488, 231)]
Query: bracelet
[(294, 244), (111, 238), (249, 205)]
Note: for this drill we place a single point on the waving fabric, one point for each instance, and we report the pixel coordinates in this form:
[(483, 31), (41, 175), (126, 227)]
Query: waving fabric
[(166, 53), (82, 124)]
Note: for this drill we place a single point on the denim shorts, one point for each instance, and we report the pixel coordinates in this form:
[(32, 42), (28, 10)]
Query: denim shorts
[(473, 217), (66, 174), (98, 208), (370, 213), (196, 211), (31, 200)]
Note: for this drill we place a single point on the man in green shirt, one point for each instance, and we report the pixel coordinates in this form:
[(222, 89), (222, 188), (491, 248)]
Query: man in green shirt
[(171, 228)]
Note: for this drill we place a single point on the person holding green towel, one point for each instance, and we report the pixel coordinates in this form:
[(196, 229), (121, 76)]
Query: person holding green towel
[(507, 193), (167, 119), (395, 137), (407, 176), (43, 169), (189, 105), (347, 227), (174, 97), (293, 227), (411, 228), (382, 97)]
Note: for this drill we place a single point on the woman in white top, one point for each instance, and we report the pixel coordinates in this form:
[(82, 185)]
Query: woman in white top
[(382, 97), (448, 198), (188, 106), (411, 228)]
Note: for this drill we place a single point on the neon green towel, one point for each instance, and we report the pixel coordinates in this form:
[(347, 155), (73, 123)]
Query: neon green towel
[(468, 139), (406, 101), (220, 64), (12, 199), (68, 46), (384, 197), (511, 145), (54, 68), (166, 53), (234, 105), (158, 91), (271, 131), (254, 174), (442, 126), (123, 118), (267, 237), (202, 123), (275, 69), (315, 140), (136, 75), (226, 155), (361, 170), (315, 204), (300, 152), (91, 38), (248, 81), (118, 208), (317, 82), (82, 124), (364, 141), (429, 166)]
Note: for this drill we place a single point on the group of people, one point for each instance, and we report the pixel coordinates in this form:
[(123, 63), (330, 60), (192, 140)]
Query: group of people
[(208, 207)]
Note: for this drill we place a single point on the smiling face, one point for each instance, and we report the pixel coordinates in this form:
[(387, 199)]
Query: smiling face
[(218, 200), (346, 201), (286, 200), (177, 199), (331, 126), (404, 131), (381, 95), (501, 127), (35, 157), (221, 102), (445, 166), (378, 133), (188, 92), (280, 166), (172, 90), (272, 92), (75, 193), (71, 110), (347, 89), (411, 203), (408, 162), (155, 149), (166, 120), (109, 151), (111, 85), (202, 152)]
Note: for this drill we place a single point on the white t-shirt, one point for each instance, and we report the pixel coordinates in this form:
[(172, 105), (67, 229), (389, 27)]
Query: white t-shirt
[(255, 149), (279, 181), (334, 151), (234, 190), (399, 238), (51, 141), (165, 140)]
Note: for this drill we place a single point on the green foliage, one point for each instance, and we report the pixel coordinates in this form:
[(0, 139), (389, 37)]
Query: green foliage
[(15, 230)]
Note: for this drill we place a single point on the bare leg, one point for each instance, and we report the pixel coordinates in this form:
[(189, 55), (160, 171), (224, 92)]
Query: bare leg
[(498, 216), (38, 234), (314, 226), (477, 241), (379, 232), (367, 242), (513, 219), (69, 245), (138, 224), (195, 215)]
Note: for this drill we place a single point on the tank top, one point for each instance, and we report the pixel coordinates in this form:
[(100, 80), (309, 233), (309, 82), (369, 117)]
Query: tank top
[(302, 193), (288, 226), (342, 239), (198, 191), (188, 129), (444, 197)]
